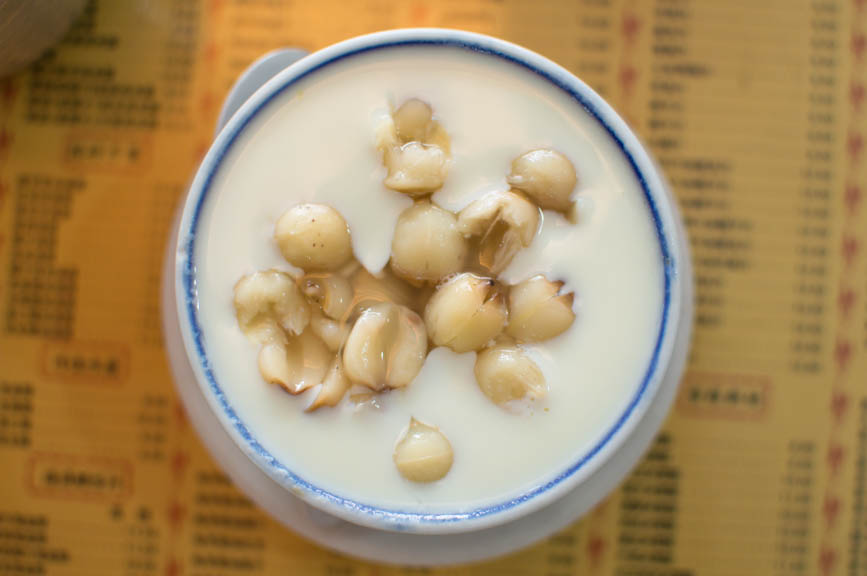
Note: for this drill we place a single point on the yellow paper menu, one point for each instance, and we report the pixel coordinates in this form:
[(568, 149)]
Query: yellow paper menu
[(757, 111)]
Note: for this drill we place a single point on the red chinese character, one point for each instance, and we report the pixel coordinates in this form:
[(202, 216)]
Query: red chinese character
[(595, 549), (842, 354), (846, 301), (858, 44), (8, 91), (827, 560), (176, 513), (628, 76), (180, 460), (849, 248), (839, 404), (856, 95), (854, 144), (852, 198), (835, 458), (173, 568), (830, 510), (630, 27)]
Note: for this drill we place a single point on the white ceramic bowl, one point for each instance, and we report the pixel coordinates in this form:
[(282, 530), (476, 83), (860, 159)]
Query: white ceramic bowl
[(407, 536)]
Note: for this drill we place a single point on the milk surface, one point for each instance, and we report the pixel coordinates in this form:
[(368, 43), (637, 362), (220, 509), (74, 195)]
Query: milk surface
[(314, 143)]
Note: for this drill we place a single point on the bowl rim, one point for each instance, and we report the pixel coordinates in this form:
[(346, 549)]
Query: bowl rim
[(551, 487)]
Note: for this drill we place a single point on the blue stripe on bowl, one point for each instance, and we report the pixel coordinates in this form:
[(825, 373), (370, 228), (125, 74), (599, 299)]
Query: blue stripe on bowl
[(398, 519)]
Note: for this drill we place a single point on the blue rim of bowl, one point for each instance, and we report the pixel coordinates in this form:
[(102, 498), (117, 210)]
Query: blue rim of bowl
[(396, 519)]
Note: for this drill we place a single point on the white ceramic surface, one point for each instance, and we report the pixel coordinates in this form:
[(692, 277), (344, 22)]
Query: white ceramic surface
[(495, 534)]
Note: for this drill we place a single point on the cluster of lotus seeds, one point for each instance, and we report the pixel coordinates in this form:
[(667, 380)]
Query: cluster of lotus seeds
[(338, 328)]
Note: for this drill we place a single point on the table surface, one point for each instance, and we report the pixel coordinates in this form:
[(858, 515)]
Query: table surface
[(756, 111)]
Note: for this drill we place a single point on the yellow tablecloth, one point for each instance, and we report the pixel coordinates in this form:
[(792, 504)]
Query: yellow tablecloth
[(756, 110)]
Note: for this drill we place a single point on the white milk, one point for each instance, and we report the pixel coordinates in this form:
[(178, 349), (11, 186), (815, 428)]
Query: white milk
[(314, 143)]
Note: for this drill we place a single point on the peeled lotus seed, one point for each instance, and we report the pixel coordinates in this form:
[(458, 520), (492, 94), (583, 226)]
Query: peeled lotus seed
[(364, 355), (415, 149), (516, 211), (385, 134), (331, 291), (413, 120), (537, 310), (427, 244), (415, 169), (385, 287), (505, 221), (268, 297), (332, 332), (386, 347), (465, 313), (408, 350), (297, 364), (274, 364), (333, 387), (313, 237), (437, 136), (505, 373), (546, 176), (423, 454)]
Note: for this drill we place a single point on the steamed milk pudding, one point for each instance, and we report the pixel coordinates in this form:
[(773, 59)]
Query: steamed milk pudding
[(381, 346), (430, 280)]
